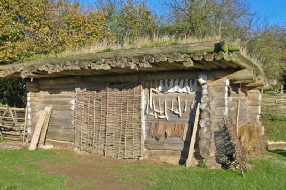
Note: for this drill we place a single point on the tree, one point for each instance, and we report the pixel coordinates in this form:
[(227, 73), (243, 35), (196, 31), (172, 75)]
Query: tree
[(268, 46), (203, 18), (128, 19), (47, 26), (30, 27)]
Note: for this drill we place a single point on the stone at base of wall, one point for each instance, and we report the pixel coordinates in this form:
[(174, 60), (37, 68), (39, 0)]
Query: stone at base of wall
[(276, 145)]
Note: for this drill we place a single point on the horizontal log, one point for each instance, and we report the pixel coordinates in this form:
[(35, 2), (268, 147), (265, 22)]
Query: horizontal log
[(215, 89), (61, 135), (172, 143), (52, 87), (254, 95), (172, 157), (58, 81), (62, 122), (254, 103), (56, 107), (252, 117), (60, 126), (61, 114), (243, 75), (254, 110), (66, 101)]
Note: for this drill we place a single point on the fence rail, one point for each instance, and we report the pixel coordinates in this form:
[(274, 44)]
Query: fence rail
[(12, 123), (273, 104)]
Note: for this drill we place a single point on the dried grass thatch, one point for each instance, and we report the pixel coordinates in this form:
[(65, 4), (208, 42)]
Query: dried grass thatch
[(161, 129), (165, 130), (252, 138)]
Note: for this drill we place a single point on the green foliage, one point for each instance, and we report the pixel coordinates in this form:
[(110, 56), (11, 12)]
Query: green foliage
[(277, 118), (13, 92), (46, 26), (203, 164), (128, 19), (230, 18), (20, 171), (107, 50), (266, 46)]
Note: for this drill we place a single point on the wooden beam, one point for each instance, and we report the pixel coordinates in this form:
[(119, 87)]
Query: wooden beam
[(193, 139)]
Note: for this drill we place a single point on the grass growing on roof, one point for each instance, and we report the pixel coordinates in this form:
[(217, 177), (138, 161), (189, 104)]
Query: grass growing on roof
[(142, 42), (19, 169)]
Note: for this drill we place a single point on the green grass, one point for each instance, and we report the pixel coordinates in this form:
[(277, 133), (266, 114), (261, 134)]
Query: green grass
[(19, 169), (265, 173), (275, 130)]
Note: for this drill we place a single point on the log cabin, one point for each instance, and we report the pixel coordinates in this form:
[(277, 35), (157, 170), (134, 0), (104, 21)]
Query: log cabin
[(142, 103)]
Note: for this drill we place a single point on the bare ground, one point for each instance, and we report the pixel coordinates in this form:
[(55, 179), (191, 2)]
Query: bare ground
[(92, 171), (96, 172)]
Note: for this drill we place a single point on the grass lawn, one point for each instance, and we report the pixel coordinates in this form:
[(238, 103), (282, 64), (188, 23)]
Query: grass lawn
[(275, 130), (267, 173), (20, 169)]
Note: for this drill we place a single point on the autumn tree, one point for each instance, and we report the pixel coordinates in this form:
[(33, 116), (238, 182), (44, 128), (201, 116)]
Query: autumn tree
[(30, 27), (47, 26)]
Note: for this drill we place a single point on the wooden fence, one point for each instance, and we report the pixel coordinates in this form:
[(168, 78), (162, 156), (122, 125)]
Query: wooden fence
[(12, 123), (273, 104)]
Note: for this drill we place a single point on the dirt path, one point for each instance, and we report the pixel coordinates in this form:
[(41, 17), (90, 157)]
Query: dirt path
[(91, 171)]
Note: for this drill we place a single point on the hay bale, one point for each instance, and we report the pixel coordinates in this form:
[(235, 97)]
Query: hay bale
[(252, 138)]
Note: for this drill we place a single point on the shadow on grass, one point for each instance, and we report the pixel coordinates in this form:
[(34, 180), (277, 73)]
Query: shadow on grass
[(280, 152)]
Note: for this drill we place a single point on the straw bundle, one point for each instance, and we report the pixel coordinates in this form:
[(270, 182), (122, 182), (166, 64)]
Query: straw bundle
[(252, 138)]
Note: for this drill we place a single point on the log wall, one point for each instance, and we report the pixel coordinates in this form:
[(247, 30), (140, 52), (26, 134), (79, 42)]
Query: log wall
[(166, 131)]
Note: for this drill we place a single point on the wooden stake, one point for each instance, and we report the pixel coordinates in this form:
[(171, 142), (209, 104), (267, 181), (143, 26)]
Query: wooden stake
[(237, 115), (25, 123), (193, 138)]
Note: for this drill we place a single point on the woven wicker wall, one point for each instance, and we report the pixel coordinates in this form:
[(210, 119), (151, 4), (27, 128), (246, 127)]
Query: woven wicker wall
[(108, 121)]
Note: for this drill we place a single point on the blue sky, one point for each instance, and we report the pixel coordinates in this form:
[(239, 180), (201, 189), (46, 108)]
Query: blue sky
[(275, 10)]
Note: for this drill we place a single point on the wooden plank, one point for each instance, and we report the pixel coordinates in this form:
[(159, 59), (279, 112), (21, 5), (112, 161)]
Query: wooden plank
[(48, 111), (37, 131), (193, 139), (40, 124)]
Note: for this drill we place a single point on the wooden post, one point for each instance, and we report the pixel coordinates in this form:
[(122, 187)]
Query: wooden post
[(193, 138), (237, 115), (25, 123)]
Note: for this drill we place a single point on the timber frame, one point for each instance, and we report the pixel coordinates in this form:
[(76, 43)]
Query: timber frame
[(167, 85)]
